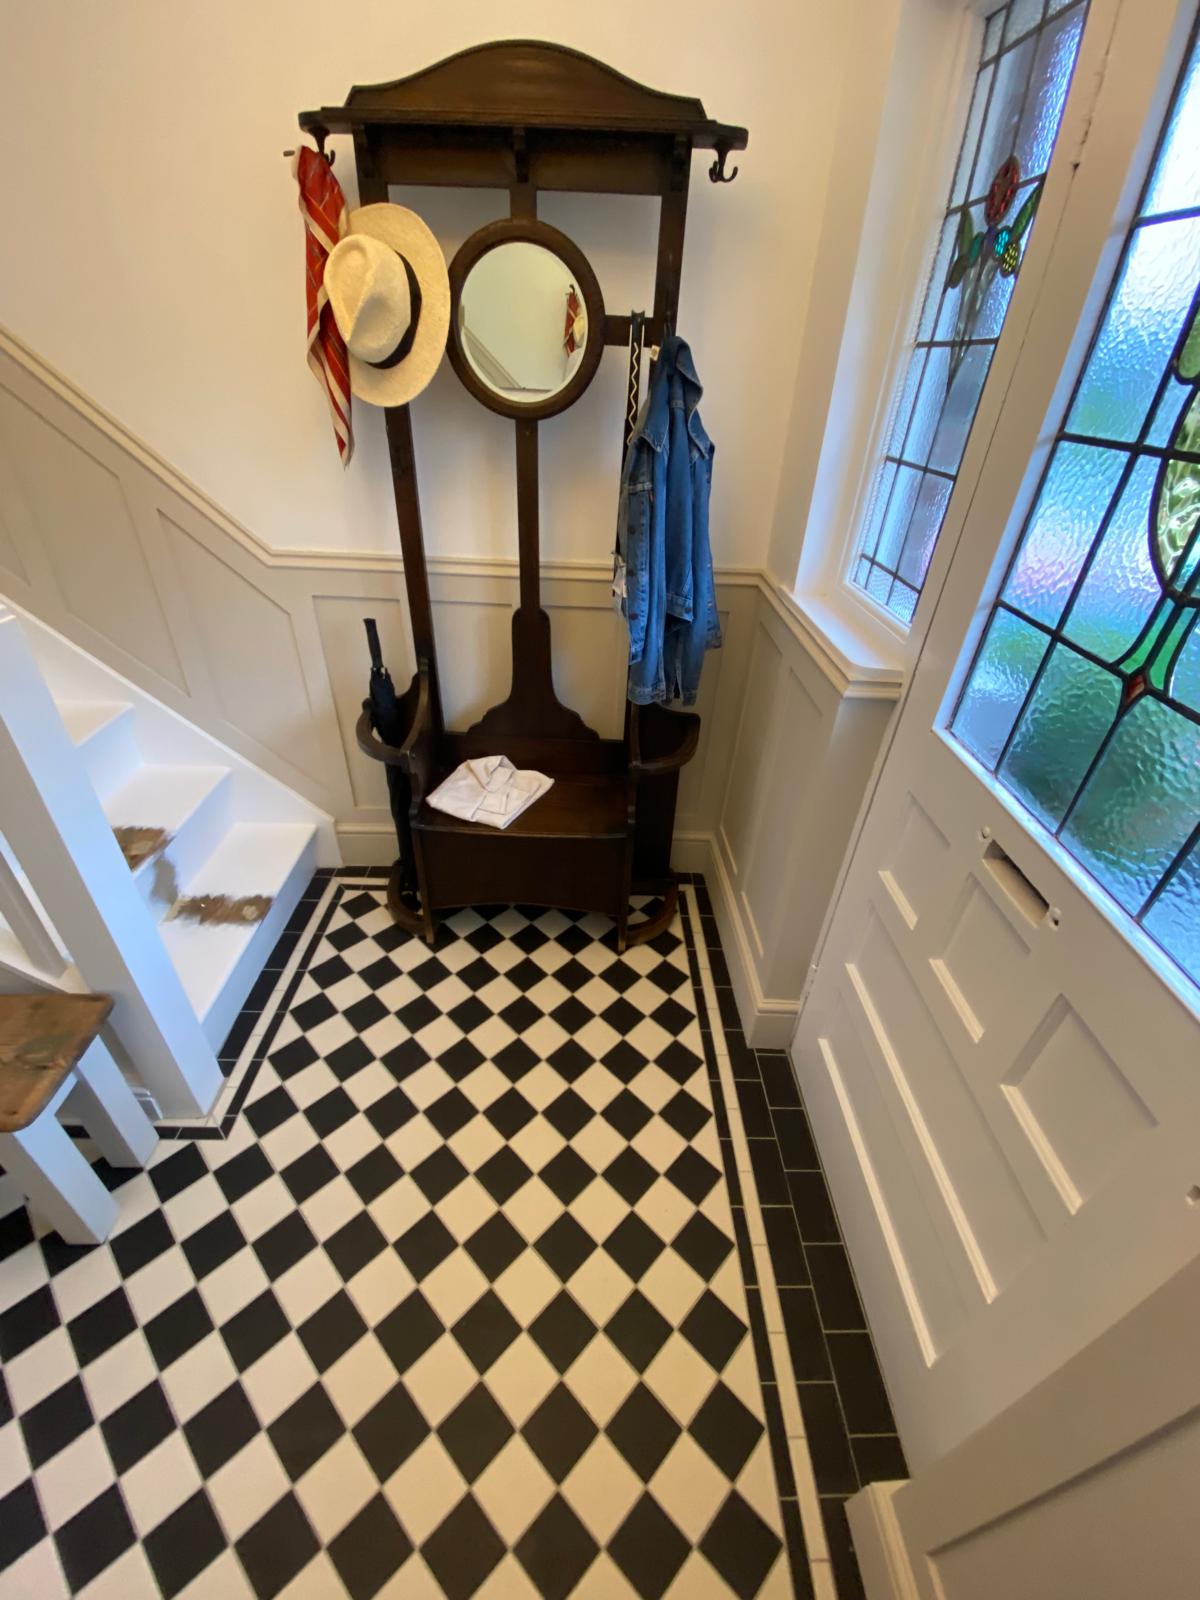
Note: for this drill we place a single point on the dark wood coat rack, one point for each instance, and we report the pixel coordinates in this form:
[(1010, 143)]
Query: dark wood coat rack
[(526, 116)]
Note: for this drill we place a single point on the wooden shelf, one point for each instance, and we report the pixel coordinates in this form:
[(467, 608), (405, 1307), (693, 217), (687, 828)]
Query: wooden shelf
[(575, 808)]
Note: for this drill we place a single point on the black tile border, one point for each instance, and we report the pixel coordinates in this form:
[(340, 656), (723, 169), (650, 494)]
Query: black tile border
[(822, 1309)]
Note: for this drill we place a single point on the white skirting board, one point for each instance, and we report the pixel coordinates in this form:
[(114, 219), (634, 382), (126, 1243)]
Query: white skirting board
[(767, 1022), (882, 1559)]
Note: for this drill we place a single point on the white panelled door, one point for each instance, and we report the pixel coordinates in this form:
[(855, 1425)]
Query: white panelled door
[(1000, 1047)]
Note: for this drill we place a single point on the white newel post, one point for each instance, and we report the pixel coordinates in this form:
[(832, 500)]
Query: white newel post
[(58, 832)]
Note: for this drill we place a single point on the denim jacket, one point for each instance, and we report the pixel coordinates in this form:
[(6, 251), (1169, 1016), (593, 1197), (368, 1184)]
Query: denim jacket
[(662, 535)]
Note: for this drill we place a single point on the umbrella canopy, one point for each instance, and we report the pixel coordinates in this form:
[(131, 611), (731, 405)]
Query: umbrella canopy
[(387, 717)]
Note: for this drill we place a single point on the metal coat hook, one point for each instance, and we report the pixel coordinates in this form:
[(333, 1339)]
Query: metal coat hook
[(717, 172), (320, 135)]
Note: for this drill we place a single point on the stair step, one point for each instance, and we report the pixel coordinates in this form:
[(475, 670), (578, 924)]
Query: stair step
[(103, 732), (161, 796), (218, 962), (190, 803), (84, 719)]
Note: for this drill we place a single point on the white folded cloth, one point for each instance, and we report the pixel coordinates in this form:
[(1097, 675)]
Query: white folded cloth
[(489, 789)]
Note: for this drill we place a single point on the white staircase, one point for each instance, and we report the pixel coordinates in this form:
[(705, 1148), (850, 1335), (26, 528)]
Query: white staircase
[(233, 831)]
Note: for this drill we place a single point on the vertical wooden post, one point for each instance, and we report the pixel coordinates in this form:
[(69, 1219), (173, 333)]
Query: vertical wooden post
[(372, 190), (528, 534), (672, 217)]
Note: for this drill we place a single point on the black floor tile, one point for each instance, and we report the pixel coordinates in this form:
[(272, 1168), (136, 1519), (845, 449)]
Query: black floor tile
[(783, 1241), (879, 1458), (22, 1524), (94, 1538), (463, 1550), (756, 1114), (813, 1207), (370, 1549), (806, 1341), (184, 1544), (828, 1445), (769, 1177), (556, 1550), (740, 1546), (649, 1548), (793, 1534), (778, 1080), (795, 1138), (837, 1296), (277, 1547), (860, 1384), (841, 1550)]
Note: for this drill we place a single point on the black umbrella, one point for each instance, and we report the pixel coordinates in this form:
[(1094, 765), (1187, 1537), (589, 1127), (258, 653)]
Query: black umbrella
[(386, 710), (387, 716)]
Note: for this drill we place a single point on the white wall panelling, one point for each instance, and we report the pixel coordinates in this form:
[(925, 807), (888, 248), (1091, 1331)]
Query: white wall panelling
[(265, 651)]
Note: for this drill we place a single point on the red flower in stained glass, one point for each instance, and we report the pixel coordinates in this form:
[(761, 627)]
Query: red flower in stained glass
[(1004, 187)]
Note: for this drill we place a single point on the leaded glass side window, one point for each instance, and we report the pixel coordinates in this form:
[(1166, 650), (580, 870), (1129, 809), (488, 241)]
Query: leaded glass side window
[(1084, 697), (1029, 50)]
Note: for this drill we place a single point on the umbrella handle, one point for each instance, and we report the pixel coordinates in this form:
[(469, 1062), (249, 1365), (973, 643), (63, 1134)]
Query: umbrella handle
[(373, 643)]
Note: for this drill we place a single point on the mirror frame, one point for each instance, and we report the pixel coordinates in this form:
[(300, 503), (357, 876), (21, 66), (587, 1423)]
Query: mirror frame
[(527, 230)]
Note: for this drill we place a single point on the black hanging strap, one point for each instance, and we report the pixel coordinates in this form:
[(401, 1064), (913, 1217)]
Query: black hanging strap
[(637, 333), (633, 396), (373, 643)]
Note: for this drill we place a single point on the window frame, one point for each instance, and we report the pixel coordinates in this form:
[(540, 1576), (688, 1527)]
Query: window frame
[(872, 358)]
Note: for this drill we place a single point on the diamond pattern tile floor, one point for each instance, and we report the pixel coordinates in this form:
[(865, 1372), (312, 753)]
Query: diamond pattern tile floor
[(448, 1299)]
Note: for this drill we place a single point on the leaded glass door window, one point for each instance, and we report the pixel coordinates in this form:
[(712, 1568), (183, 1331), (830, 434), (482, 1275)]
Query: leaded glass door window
[(1028, 55), (1083, 700)]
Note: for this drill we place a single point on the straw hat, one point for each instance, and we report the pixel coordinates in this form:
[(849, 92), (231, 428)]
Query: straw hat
[(390, 294)]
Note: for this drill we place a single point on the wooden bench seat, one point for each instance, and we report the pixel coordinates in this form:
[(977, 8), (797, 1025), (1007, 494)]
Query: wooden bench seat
[(51, 1055)]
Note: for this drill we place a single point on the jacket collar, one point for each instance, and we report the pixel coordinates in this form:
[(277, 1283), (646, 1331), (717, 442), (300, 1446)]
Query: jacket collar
[(674, 361)]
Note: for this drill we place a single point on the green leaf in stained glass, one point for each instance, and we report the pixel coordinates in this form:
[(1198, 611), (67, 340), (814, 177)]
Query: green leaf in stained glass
[(1188, 364), (1178, 500)]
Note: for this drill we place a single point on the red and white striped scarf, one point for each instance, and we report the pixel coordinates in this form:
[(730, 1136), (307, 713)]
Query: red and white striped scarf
[(323, 207)]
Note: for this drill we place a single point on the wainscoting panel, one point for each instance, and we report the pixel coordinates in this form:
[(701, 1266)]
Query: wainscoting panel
[(264, 650), (81, 519), (250, 650)]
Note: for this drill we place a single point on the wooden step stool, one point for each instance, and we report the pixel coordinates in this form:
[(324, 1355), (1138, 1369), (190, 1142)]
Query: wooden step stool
[(50, 1050)]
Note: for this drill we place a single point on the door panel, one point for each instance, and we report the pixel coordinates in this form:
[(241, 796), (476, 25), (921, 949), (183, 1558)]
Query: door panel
[(1004, 1086)]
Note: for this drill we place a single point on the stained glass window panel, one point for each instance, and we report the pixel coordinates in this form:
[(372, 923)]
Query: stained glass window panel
[(1069, 710), (1074, 496), (1012, 653), (1083, 699), (1028, 55)]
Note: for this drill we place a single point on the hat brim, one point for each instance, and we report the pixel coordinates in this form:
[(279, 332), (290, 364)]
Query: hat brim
[(406, 233)]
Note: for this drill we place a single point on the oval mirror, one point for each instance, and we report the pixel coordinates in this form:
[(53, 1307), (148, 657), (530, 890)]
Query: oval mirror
[(527, 328)]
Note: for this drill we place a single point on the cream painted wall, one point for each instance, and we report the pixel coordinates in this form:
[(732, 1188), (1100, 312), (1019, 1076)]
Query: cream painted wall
[(158, 262)]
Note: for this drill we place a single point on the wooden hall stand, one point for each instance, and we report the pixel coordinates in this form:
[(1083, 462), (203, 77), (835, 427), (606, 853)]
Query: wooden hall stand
[(526, 116)]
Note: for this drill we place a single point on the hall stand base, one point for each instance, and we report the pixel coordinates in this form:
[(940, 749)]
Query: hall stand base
[(407, 912)]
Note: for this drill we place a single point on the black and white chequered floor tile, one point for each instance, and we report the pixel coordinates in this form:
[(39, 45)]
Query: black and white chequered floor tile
[(448, 1301)]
